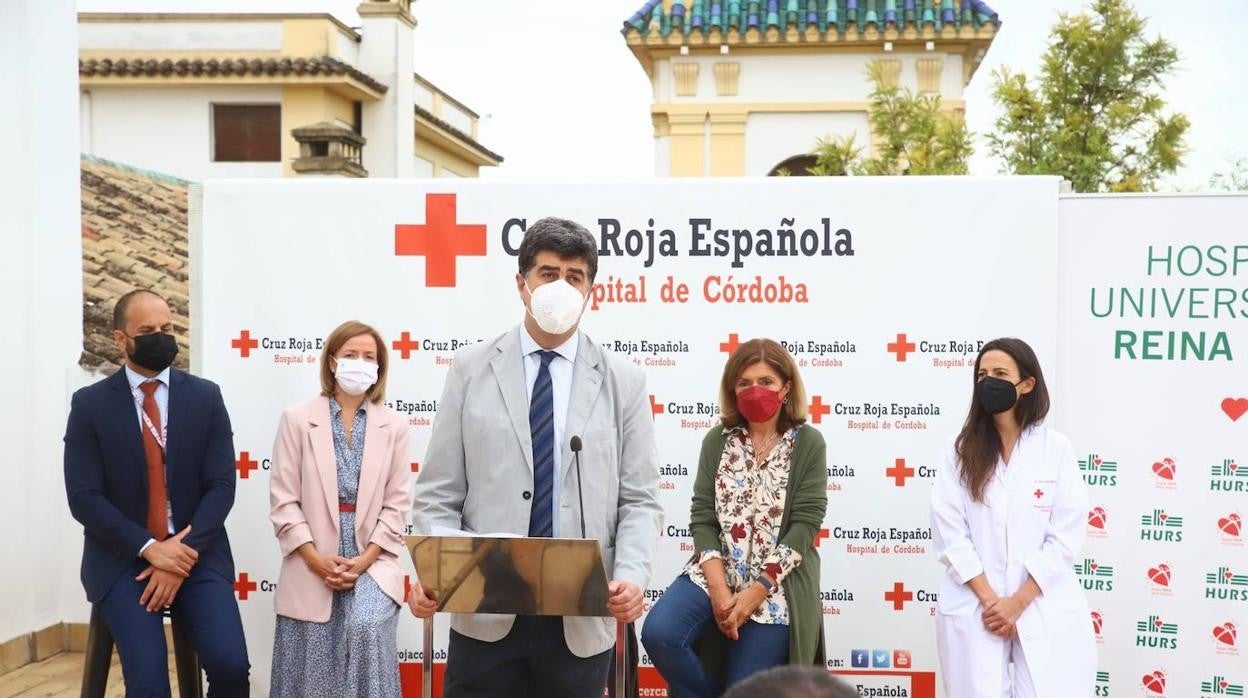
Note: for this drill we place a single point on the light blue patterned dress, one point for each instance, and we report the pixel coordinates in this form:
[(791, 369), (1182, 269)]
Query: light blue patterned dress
[(354, 653)]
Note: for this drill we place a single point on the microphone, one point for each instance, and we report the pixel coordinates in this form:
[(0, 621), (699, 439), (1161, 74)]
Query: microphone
[(580, 494)]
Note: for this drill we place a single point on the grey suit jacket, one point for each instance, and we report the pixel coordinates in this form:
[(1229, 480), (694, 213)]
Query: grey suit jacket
[(480, 465)]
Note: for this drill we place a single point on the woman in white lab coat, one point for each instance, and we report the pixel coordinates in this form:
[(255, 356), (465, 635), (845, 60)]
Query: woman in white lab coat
[(1009, 512)]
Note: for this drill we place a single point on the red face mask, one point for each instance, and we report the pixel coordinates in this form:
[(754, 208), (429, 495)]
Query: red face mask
[(758, 404)]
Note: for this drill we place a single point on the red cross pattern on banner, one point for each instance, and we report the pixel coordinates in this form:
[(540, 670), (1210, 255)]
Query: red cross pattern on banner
[(440, 240), (731, 344), (405, 345), (898, 596), (901, 347), (244, 344), (244, 586), (899, 472), (244, 464), (818, 410)]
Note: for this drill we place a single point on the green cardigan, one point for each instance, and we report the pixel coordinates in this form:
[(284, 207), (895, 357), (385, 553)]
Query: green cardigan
[(804, 507)]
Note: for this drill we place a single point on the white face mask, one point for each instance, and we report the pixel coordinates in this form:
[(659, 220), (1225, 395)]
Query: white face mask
[(355, 376), (556, 306)]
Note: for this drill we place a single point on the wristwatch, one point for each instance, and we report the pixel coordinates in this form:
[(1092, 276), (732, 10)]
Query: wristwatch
[(767, 584)]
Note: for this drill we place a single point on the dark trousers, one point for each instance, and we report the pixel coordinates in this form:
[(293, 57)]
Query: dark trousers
[(677, 620), (205, 606), (533, 661)]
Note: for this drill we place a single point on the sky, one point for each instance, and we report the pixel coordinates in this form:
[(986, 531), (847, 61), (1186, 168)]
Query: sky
[(561, 96)]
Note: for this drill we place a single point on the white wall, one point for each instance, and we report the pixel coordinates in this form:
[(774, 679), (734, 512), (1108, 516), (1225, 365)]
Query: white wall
[(423, 167), (168, 129), (772, 137), (801, 77), (41, 283), (181, 36)]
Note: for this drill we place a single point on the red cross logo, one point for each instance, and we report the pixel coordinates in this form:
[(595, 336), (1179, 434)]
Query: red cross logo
[(1039, 493), (899, 472), (415, 467), (898, 596), (440, 240), (656, 408), (818, 410), (244, 344), (407, 587), (244, 586), (405, 345), (245, 464), (901, 347), (823, 533), (731, 345)]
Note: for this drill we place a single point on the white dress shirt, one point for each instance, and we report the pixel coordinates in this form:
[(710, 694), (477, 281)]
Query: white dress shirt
[(162, 403), (561, 388)]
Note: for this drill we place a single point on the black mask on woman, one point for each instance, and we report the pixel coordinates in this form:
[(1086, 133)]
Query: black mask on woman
[(996, 395), (155, 351)]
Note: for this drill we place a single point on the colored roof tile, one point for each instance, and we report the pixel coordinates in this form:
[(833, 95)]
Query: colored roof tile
[(703, 16)]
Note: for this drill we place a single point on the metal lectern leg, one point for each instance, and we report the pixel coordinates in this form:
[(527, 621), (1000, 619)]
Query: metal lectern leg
[(426, 661), (621, 669)]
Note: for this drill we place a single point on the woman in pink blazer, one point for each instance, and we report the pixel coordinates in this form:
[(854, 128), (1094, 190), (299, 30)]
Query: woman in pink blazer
[(339, 491)]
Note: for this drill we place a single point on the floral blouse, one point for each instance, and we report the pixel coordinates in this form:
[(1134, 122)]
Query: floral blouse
[(749, 503)]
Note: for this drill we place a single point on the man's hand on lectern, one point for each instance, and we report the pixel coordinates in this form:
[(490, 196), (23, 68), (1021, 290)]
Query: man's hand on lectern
[(625, 601), (423, 603)]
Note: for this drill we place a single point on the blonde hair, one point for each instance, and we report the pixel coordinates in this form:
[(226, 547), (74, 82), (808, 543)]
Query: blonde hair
[(341, 335), (792, 412)]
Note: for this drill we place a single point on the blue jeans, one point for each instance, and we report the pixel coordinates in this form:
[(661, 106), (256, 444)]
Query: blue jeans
[(678, 620)]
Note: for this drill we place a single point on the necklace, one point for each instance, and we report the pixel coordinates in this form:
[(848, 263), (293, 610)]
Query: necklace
[(763, 448)]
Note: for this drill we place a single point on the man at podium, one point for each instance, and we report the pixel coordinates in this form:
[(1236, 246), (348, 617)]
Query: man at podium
[(501, 460)]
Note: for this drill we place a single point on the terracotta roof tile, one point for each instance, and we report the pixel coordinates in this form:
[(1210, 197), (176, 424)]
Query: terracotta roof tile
[(134, 227), (223, 67)]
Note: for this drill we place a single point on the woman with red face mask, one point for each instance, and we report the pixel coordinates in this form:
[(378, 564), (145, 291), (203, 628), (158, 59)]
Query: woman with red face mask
[(749, 597)]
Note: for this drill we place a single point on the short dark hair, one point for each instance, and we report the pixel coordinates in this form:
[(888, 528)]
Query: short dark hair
[(568, 239), (792, 682), (123, 305)]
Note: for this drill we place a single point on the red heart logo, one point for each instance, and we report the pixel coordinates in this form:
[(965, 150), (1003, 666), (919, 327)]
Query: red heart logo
[(1234, 467), (1164, 469), (1163, 516), (1235, 407), (1160, 575), (1092, 566), (1097, 622), (1155, 682), (1228, 574), (1230, 524), (1157, 623), (1223, 684), (1225, 634), (1096, 460)]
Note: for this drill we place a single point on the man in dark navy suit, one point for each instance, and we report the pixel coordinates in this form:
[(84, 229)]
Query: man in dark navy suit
[(149, 470)]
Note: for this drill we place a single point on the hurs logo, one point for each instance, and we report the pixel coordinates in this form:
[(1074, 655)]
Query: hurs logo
[(1155, 633), (1095, 576), (1099, 472), (1161, 527), (1220, 686), (1228, 476), (1225, 585)]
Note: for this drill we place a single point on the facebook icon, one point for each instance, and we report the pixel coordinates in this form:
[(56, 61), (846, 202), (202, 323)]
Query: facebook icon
[(860, 659)]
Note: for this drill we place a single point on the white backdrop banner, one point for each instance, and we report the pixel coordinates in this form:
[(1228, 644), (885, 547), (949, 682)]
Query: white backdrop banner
[(1153, 390), (882, 289)]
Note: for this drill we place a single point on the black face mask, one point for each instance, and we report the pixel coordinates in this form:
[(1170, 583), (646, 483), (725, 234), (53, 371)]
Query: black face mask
[(154, 351), (995, 395)]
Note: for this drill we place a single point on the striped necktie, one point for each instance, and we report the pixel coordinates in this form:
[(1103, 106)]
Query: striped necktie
[(542, 431)]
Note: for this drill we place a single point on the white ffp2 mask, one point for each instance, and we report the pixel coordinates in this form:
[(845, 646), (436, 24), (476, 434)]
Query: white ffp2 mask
[(556, 306)]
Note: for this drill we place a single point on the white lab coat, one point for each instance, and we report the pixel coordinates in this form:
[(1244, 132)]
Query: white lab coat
[(1032, 521)]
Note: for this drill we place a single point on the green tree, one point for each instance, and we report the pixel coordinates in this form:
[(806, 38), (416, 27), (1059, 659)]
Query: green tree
[(1096, 115), (914, 134), (1233, 179)]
